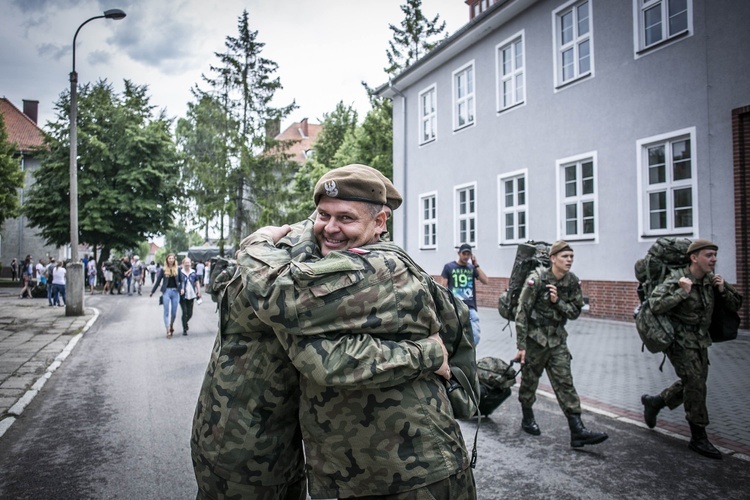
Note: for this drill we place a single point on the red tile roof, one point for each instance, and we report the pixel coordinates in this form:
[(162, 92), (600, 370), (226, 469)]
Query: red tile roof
[(21, 129), (305, 134)]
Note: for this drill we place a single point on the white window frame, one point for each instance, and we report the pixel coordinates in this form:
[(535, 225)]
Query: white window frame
[(425, 221), (429, 117), (513, 75), (469, 99), (515, 209), (470, 216), (575, 44), (667, 36), (580, 198), (644, 189)]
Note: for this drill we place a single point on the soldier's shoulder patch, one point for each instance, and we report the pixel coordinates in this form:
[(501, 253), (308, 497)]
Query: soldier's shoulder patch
[(359, 251)]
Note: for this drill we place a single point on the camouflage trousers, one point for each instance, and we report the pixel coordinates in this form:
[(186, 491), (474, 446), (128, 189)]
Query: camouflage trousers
[(459, 486), (225, 490), (691, 365), (556, 360)]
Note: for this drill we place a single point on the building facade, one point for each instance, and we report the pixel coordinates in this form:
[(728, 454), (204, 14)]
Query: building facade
[(604, 123), (17, 239)]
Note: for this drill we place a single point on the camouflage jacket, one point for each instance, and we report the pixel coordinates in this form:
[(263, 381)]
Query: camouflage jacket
[(690, 313), (537, 317), (246, 433), (375, 418)]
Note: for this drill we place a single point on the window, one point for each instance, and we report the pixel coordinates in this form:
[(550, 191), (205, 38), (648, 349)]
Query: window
[(667, 173), (463, 97), (427, 115), (466, 215), (574, 43), (428, 221), (660, 20), (513, 211), (578, 193), (510, 70)]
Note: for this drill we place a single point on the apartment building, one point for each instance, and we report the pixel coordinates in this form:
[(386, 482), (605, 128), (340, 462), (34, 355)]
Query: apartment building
[(607, 123)]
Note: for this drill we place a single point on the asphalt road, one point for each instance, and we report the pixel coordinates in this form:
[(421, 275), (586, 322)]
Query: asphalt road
[(114, 423)]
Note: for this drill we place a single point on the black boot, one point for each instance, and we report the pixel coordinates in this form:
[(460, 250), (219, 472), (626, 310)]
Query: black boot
[(651, 407), (580, 435), (699, 443), (528, 423)]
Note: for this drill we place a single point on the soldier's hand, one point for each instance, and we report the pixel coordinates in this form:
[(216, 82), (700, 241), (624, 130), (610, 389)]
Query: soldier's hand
[(718, 282), (275, 232), (552, 293), (520, 356), (445, 369), (685, 284)]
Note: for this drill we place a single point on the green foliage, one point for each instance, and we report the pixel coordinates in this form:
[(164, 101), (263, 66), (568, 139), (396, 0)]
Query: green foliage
[(127, 172), (415, 38), (11, 176), (179, 240), (142, 250), (258, 171)]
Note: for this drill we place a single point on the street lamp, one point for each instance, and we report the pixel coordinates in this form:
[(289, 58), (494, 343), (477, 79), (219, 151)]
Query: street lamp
[(74, 302)]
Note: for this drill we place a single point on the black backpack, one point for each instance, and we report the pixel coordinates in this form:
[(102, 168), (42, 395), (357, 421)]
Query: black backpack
[(529, 256), (665, 255)]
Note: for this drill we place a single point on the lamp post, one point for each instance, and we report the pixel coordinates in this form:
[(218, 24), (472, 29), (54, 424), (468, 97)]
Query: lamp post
[(74, 302)]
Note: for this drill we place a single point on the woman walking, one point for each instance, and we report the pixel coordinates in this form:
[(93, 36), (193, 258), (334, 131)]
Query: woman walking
[(190, 289), (170, 284), (58, 284), (27, 271), (91, 272)]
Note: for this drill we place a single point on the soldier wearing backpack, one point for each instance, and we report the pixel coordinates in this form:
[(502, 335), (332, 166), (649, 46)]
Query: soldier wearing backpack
[(551, 296), (687, 298)]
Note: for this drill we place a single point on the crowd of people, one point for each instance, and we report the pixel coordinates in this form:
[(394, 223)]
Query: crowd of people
[(124, 275)]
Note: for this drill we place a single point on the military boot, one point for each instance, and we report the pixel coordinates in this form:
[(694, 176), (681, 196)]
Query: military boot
[(651, 407), (580, 435), (528, 423), (699, 443)]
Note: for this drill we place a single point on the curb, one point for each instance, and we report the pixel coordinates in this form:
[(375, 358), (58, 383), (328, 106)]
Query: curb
[(592, 407), (17, 409)]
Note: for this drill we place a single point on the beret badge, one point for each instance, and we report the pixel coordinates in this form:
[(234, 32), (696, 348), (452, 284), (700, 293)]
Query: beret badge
[(331, 189)]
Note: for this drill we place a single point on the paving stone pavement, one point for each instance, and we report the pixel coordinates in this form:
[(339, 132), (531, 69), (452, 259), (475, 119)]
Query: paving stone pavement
[(34, 339), (611, 373)]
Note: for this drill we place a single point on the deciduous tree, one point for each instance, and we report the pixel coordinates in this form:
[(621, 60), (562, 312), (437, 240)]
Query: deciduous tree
[(127, 171)]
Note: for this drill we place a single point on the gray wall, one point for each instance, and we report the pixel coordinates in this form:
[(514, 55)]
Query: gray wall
[(691, 83)]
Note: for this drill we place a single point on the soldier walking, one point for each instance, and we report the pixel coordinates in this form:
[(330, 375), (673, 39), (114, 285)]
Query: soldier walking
[(550, 297), (688, 297)]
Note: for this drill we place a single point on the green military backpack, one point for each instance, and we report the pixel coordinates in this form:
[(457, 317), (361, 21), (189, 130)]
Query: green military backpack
[(529, 256), (666, 254)]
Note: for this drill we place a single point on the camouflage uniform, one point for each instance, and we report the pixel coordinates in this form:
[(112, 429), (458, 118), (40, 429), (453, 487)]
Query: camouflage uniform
[(690, 315), (540, 331), (375, 418)]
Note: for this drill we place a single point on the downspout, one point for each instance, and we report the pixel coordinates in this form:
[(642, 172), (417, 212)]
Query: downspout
[(404, 211)]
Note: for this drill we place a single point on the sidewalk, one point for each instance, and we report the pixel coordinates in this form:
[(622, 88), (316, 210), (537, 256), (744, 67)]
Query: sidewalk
[(611, 373), (34, 340)]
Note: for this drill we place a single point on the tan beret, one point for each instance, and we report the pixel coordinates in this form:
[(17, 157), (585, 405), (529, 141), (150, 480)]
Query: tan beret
[(358, 183), (558, 247), (699, 245)]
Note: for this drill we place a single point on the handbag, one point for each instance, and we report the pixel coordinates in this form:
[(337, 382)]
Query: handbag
[(161, 300), (724, 323)]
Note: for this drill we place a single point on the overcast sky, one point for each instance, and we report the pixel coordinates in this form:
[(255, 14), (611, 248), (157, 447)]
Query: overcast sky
[(324, 48)]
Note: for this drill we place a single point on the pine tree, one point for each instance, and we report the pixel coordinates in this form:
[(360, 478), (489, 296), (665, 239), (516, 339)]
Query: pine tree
[(416, 37)]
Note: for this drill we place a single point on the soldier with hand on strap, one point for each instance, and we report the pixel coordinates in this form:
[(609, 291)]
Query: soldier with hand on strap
[(550, 297)]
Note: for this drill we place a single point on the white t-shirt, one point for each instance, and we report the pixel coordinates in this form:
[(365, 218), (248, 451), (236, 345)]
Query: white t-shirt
[(39, 269), (58, 275)]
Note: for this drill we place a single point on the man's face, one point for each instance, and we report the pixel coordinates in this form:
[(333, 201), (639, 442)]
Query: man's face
[(562, 261), (344, 224), (464, 257), (705, 260)]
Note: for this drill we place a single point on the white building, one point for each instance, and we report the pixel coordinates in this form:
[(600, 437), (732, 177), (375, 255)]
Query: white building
[(607, 123)]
